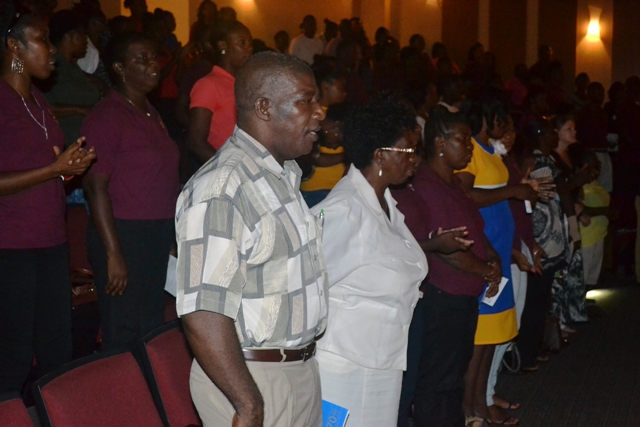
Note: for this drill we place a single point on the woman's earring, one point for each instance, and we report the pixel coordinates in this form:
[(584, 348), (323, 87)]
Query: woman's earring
[(380, 172), (441, 154), (124, 79), (223, 52), (17, 66)]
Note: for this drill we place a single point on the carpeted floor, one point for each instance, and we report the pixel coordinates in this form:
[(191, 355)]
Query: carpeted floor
[(595, 380)]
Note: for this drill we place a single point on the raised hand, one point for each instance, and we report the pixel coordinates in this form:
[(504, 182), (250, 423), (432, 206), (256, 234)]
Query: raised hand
[(75, 160)]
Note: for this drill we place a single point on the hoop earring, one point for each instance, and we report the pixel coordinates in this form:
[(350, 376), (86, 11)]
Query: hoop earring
[(17, 66)]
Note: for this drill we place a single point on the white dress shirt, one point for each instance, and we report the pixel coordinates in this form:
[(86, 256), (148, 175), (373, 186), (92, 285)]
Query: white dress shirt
[(375, 268), (305, 48)]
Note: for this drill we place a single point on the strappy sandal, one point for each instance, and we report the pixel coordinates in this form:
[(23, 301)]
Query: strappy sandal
[(475, 422)]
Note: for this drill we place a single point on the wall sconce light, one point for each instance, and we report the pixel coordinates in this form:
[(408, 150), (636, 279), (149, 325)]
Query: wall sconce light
[(593, 30)]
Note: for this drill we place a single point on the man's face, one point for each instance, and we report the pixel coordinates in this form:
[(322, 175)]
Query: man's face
[(296, 116)]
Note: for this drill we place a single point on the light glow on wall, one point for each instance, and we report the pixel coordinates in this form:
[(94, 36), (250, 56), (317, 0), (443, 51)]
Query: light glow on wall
[(593, 31)]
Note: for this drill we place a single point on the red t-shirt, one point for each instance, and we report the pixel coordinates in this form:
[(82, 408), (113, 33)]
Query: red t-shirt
[(32, 218), (446, 206), (215, 93), (137, 154)]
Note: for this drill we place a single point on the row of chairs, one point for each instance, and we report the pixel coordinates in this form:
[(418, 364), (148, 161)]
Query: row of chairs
[(117, 388)]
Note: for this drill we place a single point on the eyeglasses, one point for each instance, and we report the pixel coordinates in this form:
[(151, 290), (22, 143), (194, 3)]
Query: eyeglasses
[(12, 24), (399, 150)]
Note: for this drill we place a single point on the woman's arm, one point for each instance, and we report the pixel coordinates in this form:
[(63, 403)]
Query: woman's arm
[(486, 197), (73, 161), (447, 241), (197, 139), (95, 189)]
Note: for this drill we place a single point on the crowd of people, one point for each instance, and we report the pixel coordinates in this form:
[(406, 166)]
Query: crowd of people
[(368, 223)]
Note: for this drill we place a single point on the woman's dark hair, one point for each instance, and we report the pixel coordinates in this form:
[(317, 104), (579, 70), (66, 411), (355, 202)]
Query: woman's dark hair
[(201, 9), (438, 50), (563, 116), (487, 107), (441, 123), (116, 50), (259, 46), (381, 122), (472, 49), (325, 73), (338, 112), (64, 22), (534, 130), (616, 91), (13, 23), (381, 34), (222, 30)]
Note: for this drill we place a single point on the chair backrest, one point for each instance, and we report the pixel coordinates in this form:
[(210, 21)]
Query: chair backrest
[(13, 412), (167, 360), (102, 390)]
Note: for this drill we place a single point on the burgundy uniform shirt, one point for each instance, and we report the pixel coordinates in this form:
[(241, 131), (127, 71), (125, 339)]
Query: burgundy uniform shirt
[(32, 218), (447, 206), (136, 153)]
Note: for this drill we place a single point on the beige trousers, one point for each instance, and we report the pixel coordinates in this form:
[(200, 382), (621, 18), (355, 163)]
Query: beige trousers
[(291, 393)]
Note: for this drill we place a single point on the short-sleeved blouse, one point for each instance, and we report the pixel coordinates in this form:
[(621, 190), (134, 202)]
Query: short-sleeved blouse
[(375, 269), (136, 153), (215, 93), (497, 323), (35, 217), (444, 205)]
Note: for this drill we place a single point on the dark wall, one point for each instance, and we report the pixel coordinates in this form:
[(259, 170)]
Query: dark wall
[(626, 39), (508, 34), (459, 28), (557, 28)]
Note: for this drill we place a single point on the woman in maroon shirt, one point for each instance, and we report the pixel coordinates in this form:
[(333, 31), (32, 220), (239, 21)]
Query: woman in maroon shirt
[(35, 303), (455, 281), (131, 190)]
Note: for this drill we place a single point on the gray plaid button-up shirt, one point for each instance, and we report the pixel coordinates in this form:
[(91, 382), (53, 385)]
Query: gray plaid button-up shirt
[(249, 248)]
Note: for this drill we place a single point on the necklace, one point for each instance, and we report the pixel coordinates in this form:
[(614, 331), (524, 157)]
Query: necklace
[(43, 125), (134, 106)]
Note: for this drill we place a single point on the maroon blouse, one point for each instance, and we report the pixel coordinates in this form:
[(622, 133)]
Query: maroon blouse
[(32, 218), (136, 153), (446, 206)]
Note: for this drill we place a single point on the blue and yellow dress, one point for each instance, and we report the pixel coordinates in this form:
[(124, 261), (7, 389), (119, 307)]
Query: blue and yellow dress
[(496, 324)]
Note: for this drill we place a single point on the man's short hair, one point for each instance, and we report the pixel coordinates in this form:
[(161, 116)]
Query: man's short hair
[(262, 75)]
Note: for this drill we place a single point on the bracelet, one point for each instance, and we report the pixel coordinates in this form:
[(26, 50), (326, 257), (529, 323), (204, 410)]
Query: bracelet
[(67, 178)]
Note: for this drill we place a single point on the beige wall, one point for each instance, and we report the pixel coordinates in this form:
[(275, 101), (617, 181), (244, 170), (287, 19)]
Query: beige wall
[(266, 17), (594, 56)]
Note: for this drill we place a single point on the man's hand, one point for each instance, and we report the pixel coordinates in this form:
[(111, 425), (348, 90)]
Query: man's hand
[(214, 341)]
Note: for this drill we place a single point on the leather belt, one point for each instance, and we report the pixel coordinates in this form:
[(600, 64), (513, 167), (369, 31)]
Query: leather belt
[(280, 354)]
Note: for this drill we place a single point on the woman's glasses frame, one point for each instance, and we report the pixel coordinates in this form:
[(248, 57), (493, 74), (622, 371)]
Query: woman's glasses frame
[(399, 150)]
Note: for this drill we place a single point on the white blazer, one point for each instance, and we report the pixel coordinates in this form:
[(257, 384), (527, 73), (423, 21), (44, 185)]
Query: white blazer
[(375, 268)]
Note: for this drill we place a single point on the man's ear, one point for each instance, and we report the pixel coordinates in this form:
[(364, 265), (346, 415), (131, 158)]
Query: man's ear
[(262, 108)]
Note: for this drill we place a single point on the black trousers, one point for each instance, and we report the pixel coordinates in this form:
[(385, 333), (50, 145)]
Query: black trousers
[(35, 313), (126, 318), (534, 316), (415, 350), (449, 332)]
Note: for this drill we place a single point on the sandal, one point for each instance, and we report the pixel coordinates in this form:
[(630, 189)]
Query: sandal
[(504, 404), (509, 421), (474, 422)]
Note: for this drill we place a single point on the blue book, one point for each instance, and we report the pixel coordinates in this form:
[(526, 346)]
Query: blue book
[(333, 415)]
